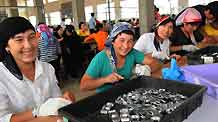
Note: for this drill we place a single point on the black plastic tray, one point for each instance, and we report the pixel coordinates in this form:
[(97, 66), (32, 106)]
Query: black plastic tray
[(87, 110), (195, 57)]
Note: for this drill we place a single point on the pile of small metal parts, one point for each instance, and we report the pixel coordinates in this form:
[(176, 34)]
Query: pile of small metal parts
[(210, 58), (142, 105)]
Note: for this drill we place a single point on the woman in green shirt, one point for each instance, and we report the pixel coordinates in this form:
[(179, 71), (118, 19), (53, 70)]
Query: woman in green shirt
[(116, 61)]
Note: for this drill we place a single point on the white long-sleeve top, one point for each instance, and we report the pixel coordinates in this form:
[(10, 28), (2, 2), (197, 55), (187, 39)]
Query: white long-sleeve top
[(146, 44), (19, 95)]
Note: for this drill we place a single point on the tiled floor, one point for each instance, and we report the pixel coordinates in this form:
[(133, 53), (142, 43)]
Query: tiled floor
[(73, 84)]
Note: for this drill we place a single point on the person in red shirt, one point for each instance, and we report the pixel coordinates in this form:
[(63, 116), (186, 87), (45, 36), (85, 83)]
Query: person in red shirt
[(99, 37)]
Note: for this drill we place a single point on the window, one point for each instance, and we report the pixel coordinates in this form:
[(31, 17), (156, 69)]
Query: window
[(197, 2), (68, 21), (46, 19), (32, 19), (55, 18), (20, 3), (167, 6), (102, 11), (88, 11), (129, 9), (30, 3), (44, 1), (49, 1)]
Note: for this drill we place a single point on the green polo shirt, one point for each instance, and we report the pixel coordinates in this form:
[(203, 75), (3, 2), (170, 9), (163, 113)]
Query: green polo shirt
[(100, 66)]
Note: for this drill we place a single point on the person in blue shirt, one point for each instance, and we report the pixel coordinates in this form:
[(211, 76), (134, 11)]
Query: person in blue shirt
[(116, 61), (92, 23)]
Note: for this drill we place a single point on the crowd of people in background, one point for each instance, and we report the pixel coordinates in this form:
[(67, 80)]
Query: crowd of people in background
[(69, 50), (64, 46)]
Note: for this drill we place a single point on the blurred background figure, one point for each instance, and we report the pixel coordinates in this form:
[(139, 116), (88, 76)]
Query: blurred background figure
[(72, 52), (106, 26), (211, 28), (211, 12), (58, 34), (99, 37), (62, 23), (92, 23), (83, 30), (48, 47), (157, 16)]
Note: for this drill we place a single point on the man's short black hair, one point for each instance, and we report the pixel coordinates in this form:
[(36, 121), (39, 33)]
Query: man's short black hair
[(63, 19), (80, 24), (92, 14), (99, 26)]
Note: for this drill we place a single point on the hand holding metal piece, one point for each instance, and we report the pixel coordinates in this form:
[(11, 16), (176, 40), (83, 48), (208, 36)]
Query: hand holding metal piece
[(113, 78)]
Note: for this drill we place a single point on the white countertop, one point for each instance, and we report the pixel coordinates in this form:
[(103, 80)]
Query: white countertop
[(207, 112)]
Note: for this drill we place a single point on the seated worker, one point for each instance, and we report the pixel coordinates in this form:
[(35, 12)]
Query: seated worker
[(100, 37), (200, 8), (210, 12), (186, 34), (83, 30), (25, 82), (116, 61), (211, 28), (73, 52), (157, 43), (106, 26)]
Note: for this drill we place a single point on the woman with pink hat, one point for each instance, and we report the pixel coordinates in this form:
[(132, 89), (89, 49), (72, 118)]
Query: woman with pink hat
[(186, 34)]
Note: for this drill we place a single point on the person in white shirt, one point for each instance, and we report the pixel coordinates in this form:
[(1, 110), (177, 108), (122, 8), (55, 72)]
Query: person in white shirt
[(156, 44), (26, 84)]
